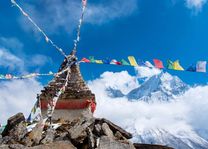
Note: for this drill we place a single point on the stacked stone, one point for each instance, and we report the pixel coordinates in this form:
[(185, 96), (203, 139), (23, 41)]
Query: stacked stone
[(77, 95)]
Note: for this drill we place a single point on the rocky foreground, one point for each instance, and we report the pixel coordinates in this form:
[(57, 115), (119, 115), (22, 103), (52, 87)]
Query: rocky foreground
[(80, 133)]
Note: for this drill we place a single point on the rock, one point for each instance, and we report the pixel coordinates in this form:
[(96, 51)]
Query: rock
[(36, 134), (107, 143), (98, 129), (12, 122), (55, 145), (19, 131), (4, 147), (78, 132), (50, 134), (16, 146), (91, 140), (62, 136), (107, 131), (119, 136), (114, 128), (150, 146), (6, 139)]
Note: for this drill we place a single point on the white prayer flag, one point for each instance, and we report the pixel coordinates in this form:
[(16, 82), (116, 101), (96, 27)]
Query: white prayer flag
[(201, 66)]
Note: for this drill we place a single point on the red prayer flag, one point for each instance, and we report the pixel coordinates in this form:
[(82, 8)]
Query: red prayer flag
[(84, 2), (158, 63), (85, 60)]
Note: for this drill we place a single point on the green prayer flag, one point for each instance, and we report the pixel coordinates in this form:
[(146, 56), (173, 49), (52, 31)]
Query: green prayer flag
[(92, 59), (123, 62), (169, 64)]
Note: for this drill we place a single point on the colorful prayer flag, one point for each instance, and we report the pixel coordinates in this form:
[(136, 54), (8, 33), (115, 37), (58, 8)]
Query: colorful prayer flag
[(148, 64), (132, 61), (177, 66), (158, 63), (123, 62), (106, 61), (141, 62), (169, 64), (99, 61), (115, 62), (201, 66), (191, 68), (92, 59), (85, 60)]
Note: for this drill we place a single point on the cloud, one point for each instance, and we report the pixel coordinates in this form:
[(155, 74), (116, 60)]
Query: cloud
[(64, 15), (195, 4), (10, 61), (13, 57), (15, 95), (116, 81), (143, 72), (186, 113)]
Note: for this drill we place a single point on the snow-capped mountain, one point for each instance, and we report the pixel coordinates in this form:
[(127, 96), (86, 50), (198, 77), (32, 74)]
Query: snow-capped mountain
[(162, 87), (183, 140)]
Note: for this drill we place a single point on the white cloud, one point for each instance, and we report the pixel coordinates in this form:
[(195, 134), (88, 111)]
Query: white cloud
[(13, 57), (187, 113), (65, 14), (10, 61), (121, 81), (195, 4), (143, 72), (17, 96)]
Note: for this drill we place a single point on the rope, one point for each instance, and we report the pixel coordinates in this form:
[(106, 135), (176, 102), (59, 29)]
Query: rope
[(76, 41), (51, 106), (48, 40)]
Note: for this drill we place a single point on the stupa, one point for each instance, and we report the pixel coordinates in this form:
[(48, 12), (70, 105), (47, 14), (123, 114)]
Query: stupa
[(76, 101)]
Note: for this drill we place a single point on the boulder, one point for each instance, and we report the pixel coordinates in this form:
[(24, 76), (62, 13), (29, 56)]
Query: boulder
[(114, 127), (19, 131), (78, 132), (107, 143), (4, 147), (55, 145), (12, 122), (107, 131), (50, 134)]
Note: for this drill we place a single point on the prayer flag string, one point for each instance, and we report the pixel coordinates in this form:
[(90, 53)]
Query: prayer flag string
[(200, 66), (48, 40), (76, 41)]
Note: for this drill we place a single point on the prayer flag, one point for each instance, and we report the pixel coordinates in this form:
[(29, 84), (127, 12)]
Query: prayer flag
[(158, 63), (99, 61), (169, 64), (123, 62), (141, 63), (201, 66), (191, 68), (177, 66), (85, 60), (84, 2), (92, 59), (106, 61), (115, 62), (132, 61), (148, 64)]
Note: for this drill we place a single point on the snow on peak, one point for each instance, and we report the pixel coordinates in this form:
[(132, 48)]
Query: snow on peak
[(162, 87)]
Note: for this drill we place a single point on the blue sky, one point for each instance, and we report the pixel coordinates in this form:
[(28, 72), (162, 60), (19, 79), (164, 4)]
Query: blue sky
[(146, 29)]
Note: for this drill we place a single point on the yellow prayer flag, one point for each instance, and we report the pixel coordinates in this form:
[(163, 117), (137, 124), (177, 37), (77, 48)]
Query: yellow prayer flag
[(177, 66), (99, 61), (132, 61)]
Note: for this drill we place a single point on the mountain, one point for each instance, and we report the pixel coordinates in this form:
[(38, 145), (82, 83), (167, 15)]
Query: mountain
[(182, 140), (162, 87)]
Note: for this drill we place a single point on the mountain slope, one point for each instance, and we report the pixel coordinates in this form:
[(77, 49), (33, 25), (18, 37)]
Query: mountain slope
[(162, 87)]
